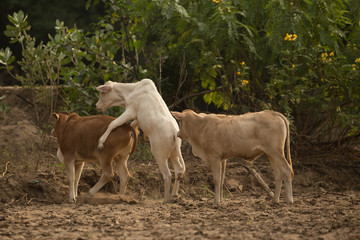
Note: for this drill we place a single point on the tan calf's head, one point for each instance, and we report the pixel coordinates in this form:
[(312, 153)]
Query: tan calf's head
[(184, 118), (109, 96)]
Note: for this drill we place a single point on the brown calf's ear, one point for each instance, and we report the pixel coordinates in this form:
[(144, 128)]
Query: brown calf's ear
[(56, 116), (177, 115), (103, 88)]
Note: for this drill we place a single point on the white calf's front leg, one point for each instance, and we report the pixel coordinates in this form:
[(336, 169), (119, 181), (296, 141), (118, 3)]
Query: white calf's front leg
[(128, 115)]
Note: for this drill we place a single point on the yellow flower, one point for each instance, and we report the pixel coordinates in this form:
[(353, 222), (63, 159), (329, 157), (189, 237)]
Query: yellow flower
[(357, 60), (243, 63), (287, 37), (293, 66), (238, 73), (244, 82), (332, 54), (290, 37)]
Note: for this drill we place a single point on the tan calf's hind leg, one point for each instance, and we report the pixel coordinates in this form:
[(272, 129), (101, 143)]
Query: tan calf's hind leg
[(277, 177), (121, 164), (282, 172)]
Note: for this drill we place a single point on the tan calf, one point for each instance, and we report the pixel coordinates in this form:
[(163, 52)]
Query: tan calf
[(78, 139), (216, 138)]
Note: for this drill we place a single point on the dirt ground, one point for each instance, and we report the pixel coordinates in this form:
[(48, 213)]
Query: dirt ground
[(34, 192)]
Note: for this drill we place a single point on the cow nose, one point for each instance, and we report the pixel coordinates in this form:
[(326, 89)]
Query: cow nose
[(178, 134), (98, 108)]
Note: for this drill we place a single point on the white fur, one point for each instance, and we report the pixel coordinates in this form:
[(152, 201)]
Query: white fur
[(143, 102)]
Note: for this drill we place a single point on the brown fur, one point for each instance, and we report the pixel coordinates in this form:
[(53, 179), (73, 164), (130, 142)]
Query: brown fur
[(78, 140)]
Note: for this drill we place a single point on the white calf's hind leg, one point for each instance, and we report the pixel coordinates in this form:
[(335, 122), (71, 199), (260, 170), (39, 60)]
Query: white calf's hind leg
[(179, 168), (121, 164), (161, 158)]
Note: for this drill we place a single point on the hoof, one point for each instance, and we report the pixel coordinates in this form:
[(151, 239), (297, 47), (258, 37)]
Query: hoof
[(100, 148)]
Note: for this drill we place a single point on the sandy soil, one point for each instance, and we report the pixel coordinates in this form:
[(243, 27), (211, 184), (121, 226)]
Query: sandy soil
[(246, 216), (34, 193)]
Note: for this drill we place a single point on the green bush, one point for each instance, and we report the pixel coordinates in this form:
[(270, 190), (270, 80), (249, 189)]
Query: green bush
[(297, 57)]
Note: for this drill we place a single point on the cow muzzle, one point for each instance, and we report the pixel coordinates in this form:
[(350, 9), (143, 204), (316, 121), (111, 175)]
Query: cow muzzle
[(179, 135), (99, 108)]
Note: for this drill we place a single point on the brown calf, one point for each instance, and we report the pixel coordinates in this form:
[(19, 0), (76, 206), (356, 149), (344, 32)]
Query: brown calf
[(78, 139)]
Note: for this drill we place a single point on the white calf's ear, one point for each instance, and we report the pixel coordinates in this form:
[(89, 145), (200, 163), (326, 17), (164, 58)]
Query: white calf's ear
[(104, 88), (177, 115), (56, 116)]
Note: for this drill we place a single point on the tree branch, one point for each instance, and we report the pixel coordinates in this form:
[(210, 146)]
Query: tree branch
[(193, 95)]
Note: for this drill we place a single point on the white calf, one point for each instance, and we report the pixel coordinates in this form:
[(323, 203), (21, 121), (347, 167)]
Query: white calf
[(143, 102)]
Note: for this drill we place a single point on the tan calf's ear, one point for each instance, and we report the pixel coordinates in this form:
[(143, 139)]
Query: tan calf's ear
[(177, 115), (56, 116), (103, 88)]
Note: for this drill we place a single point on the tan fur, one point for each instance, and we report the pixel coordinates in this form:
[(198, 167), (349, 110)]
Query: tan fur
[(216, 138)]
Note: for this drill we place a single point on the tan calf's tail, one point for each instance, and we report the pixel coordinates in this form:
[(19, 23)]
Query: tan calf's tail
[(288, 144), (135, 135)]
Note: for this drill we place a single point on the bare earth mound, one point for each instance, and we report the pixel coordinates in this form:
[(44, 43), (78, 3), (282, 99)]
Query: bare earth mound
[(34, 193)]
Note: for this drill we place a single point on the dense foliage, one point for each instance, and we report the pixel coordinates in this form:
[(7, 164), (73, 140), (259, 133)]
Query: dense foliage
[(301, 58)]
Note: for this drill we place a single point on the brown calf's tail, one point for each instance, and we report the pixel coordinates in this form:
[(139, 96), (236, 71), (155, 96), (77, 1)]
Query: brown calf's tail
[(135, 133)]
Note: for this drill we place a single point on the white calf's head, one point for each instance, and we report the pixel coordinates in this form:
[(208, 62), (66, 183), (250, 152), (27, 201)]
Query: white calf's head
[(109, 96)]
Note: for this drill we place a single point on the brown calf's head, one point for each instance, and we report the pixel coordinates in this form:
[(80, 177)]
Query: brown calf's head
[(60, 120)]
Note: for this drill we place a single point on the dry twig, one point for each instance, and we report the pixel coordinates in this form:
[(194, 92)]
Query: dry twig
[(6, 168)]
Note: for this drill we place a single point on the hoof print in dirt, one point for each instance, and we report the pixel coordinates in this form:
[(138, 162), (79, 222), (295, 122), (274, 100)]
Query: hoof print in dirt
[(104, 198)]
